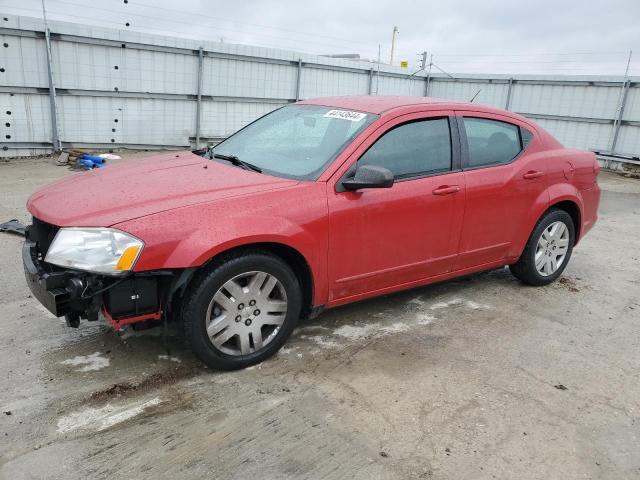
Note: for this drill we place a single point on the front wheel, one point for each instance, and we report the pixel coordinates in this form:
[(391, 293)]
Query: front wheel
[(242, 310), (548, 250)]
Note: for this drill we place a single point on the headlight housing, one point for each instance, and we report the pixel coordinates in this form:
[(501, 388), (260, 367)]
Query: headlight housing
[(100, 250)]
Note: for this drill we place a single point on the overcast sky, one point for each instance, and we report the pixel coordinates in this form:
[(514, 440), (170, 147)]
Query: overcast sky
[(488, 36)]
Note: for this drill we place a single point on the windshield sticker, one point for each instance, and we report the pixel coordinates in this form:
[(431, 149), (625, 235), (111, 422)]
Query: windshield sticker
[(345, 115)]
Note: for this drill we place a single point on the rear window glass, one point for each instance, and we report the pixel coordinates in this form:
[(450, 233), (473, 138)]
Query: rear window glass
[(491, 142)]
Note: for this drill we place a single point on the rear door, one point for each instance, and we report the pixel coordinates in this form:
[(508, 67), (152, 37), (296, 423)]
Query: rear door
[(382, 238), (503, 179)]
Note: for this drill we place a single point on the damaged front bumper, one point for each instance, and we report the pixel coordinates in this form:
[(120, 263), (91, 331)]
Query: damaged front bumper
[(59, 290), (76, 295)]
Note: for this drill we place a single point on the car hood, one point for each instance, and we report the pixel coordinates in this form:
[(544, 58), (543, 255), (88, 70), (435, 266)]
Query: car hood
[(116, 193)]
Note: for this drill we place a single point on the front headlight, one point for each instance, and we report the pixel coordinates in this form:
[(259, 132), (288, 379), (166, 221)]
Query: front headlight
[(99, 250)]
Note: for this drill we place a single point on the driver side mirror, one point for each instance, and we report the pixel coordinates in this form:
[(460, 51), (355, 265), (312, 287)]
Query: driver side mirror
[(369, 176)]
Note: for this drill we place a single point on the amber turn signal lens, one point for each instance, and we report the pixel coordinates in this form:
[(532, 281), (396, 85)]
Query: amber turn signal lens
[(128, 258)]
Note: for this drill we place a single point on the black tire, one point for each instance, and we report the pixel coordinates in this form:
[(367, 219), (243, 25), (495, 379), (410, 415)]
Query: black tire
[(207, 283), (524, 269)]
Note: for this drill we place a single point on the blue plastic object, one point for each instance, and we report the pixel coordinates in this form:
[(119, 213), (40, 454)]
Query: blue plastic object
[(90, 161), (89, 164), (93, 158)]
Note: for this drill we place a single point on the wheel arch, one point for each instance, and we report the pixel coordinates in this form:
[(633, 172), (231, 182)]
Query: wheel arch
[(564, 200), (573, 209), (287, 254)]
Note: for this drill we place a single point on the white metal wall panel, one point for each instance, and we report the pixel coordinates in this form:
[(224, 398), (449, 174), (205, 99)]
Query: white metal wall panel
[(234, 78), (89, 119), (139, 121), (574, 101), (400, 86), (93, 67), (220, 119), (632, 107), (578, 135), (157, 122), (324, 83), (28, 117), (24, 61), (158, 72), (628, 140)]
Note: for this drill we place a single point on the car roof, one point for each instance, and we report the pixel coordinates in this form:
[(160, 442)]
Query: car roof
[(379, 103)]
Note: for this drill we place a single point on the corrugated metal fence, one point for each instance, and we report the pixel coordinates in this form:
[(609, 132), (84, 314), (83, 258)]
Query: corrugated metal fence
[(118, 88)]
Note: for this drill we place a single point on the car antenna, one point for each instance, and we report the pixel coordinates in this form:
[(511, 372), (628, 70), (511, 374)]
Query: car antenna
[(474, 97)]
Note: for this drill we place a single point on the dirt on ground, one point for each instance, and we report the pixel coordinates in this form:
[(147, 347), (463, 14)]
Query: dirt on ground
[(476, 378)]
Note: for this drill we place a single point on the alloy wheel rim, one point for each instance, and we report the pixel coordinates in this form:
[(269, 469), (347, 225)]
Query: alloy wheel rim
[(246, 313), (552, 248)]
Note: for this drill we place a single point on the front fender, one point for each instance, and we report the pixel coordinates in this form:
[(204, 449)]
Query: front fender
[(191, 236)]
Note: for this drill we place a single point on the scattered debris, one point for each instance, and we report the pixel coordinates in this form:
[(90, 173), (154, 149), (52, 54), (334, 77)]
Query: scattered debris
[(109, 156), (13, 226), (384, 454), (91, 161), (84, 160), (63, 159)]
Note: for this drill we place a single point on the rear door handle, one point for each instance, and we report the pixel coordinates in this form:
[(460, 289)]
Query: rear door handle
[(532, 174), (446, 190)]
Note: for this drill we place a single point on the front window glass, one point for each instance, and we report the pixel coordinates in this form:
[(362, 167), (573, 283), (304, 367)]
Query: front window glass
[(413, 149), (297, 141)]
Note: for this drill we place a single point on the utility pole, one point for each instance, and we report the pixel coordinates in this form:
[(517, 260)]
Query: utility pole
[(423, 61), (393, 43), (55, 138), (427, 91)]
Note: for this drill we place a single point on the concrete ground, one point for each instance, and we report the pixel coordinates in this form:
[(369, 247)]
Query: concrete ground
[(476, 378)]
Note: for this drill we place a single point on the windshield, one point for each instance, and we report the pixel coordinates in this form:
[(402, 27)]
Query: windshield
[(298, 141)]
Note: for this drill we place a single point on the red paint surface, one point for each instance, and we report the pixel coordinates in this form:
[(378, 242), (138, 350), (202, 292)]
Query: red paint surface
[(357, 244)]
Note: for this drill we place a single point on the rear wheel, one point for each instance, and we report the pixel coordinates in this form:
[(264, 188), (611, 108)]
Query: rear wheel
[(242, 310), (548, 250)]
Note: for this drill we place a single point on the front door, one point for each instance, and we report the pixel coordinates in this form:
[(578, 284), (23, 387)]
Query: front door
[(388, 237)]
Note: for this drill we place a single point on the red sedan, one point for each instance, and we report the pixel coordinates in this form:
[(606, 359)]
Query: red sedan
[(316, 204)]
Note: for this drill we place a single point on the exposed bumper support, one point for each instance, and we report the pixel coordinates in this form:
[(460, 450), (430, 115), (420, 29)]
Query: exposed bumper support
[(76, 295), (50, 288)]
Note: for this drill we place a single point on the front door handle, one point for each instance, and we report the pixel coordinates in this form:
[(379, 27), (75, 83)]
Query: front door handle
[(446, 190), (532, 174)]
